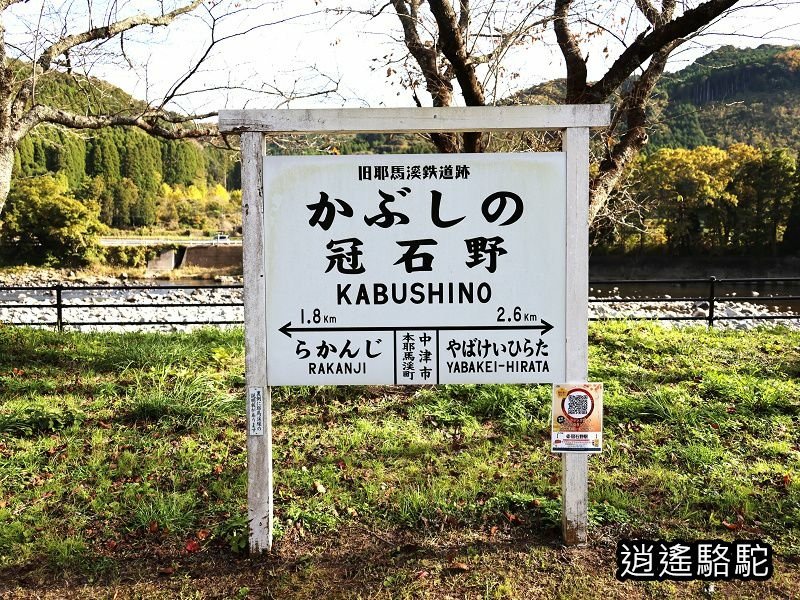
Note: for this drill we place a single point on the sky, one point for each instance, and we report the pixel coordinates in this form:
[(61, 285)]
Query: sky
[(297, 48)]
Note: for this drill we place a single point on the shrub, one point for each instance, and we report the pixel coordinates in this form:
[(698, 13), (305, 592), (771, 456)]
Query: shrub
[(133, 257), (43, 223)]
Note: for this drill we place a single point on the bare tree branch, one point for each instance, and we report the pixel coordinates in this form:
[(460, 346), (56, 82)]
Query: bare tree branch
[(649, 11), (463, 18), (634, 108), (111, 30), (647, 45), (215, 42), (153, 123), (451, 43)]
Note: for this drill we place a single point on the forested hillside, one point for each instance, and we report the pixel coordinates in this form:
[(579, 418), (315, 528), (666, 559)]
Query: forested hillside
[(719, 174), (731, 95), (128, 173), (88, 152)]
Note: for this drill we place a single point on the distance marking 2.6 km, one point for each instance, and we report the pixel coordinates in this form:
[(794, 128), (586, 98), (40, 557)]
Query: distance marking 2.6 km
[(516, 315)]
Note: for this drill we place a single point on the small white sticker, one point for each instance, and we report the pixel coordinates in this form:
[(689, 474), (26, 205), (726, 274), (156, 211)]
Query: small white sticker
[(255, 406)]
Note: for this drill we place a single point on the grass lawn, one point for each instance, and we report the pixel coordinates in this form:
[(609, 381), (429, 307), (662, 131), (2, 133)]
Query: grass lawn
[(123, 472)]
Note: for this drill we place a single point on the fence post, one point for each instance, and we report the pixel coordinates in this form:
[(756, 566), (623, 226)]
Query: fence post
[(59, 308), (712, 294)]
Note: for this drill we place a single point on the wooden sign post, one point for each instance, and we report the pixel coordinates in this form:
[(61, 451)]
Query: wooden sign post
[(273, 219)]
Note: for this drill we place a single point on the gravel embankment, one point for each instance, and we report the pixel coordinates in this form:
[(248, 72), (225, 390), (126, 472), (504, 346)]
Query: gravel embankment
[(732, 314), (105, 309)]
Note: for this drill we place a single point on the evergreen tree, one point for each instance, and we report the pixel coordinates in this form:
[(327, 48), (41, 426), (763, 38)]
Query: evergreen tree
[(143, 211), (141, 162), (25, 153), (39, 157), (103, 158), (234, 178), (217, 162), (94, 189), (182, 163), (66, 154), (126, 195)]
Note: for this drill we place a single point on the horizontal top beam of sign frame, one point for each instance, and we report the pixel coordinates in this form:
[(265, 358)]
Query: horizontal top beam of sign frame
[(403, 120)]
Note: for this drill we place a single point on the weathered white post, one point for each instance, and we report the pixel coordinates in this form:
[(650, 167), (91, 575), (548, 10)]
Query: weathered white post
[(575, 466), (259, 396), (575, 121)]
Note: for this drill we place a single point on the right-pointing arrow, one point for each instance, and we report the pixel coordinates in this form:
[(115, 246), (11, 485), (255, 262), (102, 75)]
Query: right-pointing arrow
[(547, 327)]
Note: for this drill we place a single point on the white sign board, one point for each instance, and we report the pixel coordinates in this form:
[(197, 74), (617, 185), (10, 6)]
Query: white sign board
[(415, 269)]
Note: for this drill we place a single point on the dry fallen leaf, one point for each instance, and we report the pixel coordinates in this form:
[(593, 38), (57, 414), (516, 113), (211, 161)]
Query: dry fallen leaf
[(732, 526), (192, 546), (458, 567)]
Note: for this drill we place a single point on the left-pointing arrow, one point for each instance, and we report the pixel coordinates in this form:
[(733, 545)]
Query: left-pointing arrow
[(285, 329)]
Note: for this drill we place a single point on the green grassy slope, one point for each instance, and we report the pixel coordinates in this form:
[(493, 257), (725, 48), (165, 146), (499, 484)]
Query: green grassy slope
[(122, 471)]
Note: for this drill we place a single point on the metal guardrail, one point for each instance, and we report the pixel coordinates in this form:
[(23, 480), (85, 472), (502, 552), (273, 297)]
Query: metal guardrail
[(712, 298), (62, 306)]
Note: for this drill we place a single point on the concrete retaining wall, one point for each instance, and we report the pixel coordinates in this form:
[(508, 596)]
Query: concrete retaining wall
[(165, 261), (221, 255)]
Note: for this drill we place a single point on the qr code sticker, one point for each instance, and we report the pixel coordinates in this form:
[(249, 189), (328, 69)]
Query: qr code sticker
[(577, 404)]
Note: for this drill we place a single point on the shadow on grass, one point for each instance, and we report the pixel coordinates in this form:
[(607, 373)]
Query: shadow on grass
[(348, 563), (357, 562)]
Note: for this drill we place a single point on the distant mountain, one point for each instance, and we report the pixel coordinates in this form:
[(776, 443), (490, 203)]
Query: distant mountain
[(730, 95), (749, 95), (78, 93)]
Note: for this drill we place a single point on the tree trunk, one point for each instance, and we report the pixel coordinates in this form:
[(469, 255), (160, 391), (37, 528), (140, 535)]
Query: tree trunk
[(6, 166)]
